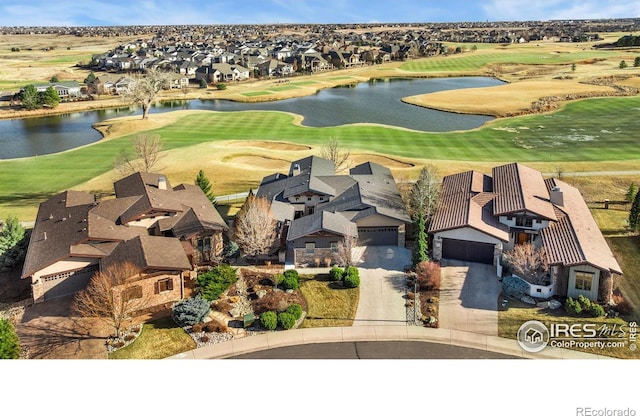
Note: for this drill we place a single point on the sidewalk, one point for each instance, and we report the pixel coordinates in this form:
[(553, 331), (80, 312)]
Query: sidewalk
[(376, 333)]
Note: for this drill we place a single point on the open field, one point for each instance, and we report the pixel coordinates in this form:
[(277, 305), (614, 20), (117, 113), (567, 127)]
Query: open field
[(572, 138)]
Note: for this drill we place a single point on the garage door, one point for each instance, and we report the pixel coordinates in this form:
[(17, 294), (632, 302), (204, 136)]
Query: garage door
[(467, 251), (67, 283), (378, 236)]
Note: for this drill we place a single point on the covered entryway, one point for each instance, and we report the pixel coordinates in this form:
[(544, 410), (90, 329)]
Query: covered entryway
[(377, 236), (66, 283), (471, 251)]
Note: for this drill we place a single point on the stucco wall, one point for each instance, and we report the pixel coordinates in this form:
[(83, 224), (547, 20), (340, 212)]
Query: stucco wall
[(571, 288)]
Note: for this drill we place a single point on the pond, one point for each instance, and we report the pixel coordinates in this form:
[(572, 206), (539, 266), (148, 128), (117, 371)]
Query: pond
[(376, 101)]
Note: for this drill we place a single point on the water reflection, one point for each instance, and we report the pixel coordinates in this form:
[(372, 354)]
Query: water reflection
[(377, 101)]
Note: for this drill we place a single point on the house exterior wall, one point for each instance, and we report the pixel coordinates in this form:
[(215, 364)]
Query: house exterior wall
[(151, 288), (212, 254), (318, 258), (573, 292), (538, 224), (74, 263)]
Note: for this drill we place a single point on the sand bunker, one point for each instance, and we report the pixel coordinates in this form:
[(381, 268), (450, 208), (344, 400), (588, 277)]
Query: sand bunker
[(270, 145)]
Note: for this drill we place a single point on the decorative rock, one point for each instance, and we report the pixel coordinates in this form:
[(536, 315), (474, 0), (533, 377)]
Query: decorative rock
[(261, 293)]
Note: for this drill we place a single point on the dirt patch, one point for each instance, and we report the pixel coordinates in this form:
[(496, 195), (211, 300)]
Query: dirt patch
[(270, 145), (262, 162)]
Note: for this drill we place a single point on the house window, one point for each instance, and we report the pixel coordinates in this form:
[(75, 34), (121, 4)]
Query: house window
[(133, 292), (165, 285), (524, 222), (321, 198), (334, 247), (583, 280), (310, 248), (308, 198)]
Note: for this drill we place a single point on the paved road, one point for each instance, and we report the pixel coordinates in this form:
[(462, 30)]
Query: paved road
[(374, 350)]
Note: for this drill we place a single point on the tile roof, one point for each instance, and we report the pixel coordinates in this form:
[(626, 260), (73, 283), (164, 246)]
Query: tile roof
[(575, 238), (467, 200), (519, 188)]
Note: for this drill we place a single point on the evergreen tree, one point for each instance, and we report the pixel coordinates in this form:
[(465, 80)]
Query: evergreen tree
[(636, 61), (54, 79), (90, 78), (623, 64), (30, 97), (50, 97), (421, 247), (9, 342), (634, 213), (203, 182), (10, 234), (631, 193)]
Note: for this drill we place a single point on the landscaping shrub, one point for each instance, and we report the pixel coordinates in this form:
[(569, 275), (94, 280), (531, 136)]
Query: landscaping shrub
[(572, 307), (585, 303), (622, 306), (515, 287), (231, 250), (428, 275), (290, 282), (351, 277), (278, 278), (295, 310), (292, 273), (596, 310), (190, 311), (213, 283), (335, 274), (269, 320), (197, 327), (129, 337), (204, 338), (286, 320)]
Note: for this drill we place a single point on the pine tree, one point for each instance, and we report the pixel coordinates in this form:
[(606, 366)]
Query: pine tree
[(50, 97), (421, 247), (9, 342), (30, 97), (634, 213), (203, 182), (631, 192)]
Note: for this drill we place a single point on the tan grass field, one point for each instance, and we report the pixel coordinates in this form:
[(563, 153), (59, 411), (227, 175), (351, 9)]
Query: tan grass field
[(504, 99)]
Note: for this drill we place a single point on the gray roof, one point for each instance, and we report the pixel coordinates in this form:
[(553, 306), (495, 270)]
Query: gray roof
[(322, 221)]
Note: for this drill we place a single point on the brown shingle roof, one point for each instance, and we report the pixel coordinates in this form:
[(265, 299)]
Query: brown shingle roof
[(149, 253)]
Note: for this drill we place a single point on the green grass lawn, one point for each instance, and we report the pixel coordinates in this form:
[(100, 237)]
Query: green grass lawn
[(284, 88), (589, 130), (328, 304), (256, 93), (158, 339), (310, 82), (470, 61)]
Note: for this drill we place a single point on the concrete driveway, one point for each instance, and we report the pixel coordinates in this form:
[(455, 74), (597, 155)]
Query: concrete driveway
[(51, 331), (382, 286), (469, 297)]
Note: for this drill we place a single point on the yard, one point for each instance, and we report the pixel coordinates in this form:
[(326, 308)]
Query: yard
[(329, 304), (159, 339)]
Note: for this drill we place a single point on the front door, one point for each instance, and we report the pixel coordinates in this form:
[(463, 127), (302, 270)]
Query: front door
[(523, 238)]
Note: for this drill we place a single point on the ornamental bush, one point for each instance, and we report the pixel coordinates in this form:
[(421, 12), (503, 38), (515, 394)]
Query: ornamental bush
[(190, 311), (335, 274), (351, 278), (596, 310), (585, 303), (213, 283), (286, 320), (295, 310), (290, 282), (572, 307), (269, 320)]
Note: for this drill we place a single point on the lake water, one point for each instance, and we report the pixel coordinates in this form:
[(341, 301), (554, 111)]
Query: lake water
[(367, 102)]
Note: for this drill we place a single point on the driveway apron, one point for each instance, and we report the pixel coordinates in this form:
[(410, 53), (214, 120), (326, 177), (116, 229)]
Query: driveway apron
[(469, 297), (382, 286)]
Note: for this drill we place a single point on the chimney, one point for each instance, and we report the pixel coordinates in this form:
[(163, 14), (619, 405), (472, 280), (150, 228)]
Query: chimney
[(296, 170), (556, 196), (162, 183)]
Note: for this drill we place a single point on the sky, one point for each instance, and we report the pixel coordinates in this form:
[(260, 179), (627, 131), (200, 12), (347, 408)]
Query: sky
[(170, 12)]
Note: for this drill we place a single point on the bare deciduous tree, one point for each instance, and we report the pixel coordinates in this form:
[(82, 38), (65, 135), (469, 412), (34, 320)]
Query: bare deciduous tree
[(345, 252), (145, 88), (255, 227), (112, 296), (334, 152), (423, 197), (147, 150), (528, 262)]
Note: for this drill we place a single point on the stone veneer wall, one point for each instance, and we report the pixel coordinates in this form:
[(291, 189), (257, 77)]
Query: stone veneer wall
[(302, 257)]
